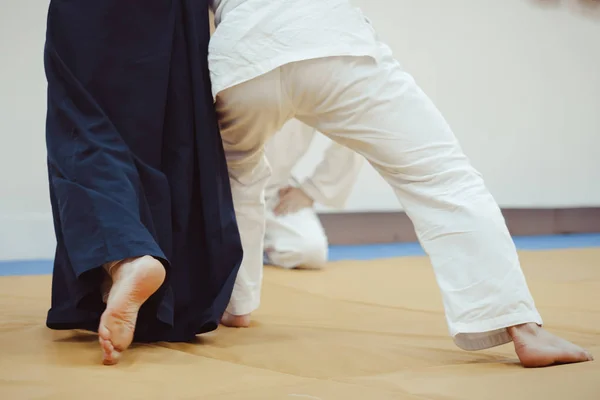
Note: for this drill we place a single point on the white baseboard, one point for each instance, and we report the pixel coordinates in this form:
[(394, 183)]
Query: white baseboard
[(26, 236)]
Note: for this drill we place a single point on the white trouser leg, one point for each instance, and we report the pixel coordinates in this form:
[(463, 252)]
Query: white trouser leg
[(248, 115), (295, 240), (378, 110)]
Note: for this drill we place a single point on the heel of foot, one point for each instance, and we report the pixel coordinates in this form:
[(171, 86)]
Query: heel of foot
[(152, 271), (236, 321)]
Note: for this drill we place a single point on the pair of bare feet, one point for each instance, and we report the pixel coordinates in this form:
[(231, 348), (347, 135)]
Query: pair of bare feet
[(135, 280)]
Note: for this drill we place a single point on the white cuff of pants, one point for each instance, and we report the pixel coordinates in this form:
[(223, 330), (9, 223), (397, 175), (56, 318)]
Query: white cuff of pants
[(243, 305), (478, 336), (245, 308)]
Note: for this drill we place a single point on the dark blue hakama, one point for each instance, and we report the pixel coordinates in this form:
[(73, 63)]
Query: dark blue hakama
[(135, 161)]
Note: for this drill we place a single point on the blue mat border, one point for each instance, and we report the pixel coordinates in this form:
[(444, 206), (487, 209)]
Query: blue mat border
[(358, 252)]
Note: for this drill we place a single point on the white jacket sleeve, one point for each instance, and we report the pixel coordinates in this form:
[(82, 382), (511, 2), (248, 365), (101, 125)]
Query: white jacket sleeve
[(333, 179)]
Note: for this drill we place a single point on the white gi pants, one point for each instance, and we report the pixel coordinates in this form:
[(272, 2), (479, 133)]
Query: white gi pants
[(295, 240), (377, 109)]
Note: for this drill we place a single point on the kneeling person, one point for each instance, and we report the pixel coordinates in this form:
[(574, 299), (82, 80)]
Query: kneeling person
[(294, 236)]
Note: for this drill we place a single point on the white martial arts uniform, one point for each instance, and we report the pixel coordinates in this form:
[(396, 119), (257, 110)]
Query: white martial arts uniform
[(320, 61), (298, 239)]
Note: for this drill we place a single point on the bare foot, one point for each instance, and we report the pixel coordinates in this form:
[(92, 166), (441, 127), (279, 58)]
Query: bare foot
[(235, 321), (536, 347), (133, 282)]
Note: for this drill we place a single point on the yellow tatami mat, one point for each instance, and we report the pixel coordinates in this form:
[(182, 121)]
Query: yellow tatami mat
[(371, 330)]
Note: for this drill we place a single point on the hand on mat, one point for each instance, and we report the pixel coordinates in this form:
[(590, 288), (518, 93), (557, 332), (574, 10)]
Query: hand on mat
[(291, 200)]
